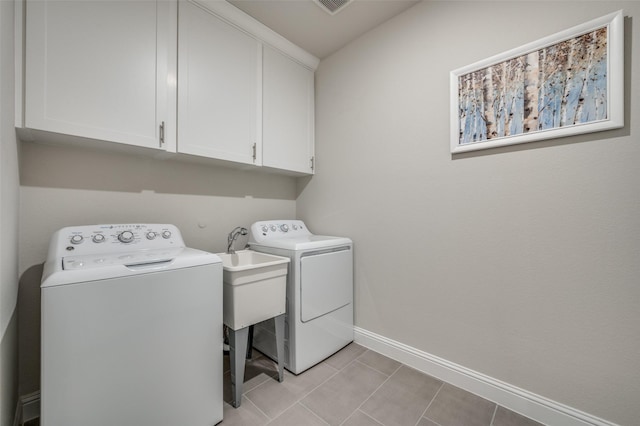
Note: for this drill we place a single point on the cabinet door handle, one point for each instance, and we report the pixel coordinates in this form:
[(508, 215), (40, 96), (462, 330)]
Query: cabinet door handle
[(161, 134), (254, 152), (312, 163)]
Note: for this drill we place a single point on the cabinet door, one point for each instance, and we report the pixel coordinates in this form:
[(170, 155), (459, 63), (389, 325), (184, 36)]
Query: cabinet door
[(288, 114), (99, 69), (219, 80)]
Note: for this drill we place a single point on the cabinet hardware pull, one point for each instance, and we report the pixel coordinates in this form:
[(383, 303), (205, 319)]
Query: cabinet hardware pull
[(312, 162), (161, 134), (254, 152)]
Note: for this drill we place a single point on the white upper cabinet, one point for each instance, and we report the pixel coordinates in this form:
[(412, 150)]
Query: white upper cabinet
[(220, 88), (196, 77), (288, 113), (102, 70)]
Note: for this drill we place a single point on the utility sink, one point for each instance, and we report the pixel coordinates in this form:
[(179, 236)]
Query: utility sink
[(254, 287)]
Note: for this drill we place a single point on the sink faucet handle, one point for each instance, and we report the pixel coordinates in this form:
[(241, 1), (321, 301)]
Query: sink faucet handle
[(233, 235)]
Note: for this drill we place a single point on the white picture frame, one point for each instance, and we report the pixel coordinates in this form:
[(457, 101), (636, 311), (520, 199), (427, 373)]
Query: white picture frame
[(550, 88)]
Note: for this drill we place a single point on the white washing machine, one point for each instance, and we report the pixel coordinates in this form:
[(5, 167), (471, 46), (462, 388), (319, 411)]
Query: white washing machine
[(319, 318), (131, 329)]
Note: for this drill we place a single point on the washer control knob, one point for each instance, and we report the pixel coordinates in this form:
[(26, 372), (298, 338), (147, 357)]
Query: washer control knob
[(166, 234), (98, 238), (125, 237), (273, 228), (77, 239), (295, 227), (151, 235), (284, 227), (265, 228)]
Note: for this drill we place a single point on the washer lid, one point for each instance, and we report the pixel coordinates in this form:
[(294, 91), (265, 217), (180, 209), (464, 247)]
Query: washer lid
[(80, 269)]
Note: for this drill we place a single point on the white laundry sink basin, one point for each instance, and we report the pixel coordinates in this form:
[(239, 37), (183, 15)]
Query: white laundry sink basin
[(254, 287), (245, 260)]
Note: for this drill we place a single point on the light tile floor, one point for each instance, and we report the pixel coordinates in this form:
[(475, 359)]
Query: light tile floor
[(357, 387)]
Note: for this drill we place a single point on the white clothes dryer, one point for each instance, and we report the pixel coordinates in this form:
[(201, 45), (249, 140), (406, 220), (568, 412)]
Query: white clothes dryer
[(131, 329), (319, 317)]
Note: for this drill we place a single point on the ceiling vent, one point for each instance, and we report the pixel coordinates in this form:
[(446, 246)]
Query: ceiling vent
[(332, 6)]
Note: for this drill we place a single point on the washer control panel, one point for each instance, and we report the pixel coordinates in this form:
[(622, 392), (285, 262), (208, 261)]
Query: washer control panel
[(103, 239), (276, 229)]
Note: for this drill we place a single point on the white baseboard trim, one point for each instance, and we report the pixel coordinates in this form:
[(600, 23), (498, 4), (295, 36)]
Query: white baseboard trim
[(28, 408), (17, 417), (519, 400)]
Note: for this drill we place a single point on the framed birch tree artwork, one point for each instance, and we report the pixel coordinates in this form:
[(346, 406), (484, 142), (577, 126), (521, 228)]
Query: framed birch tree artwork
[(565, 84)]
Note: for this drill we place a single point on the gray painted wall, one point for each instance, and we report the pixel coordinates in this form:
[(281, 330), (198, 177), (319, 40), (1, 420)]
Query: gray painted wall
[(64, 186), (9, 190), (9, 372), (82, 187), (521, 263)]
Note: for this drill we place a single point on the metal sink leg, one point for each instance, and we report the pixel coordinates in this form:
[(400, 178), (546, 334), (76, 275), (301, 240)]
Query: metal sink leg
[(237, 353)]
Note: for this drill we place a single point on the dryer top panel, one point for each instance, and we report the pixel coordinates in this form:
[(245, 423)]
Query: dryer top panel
[(290, 235)]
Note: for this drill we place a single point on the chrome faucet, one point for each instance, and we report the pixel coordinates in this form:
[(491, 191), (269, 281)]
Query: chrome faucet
[(233, 235)]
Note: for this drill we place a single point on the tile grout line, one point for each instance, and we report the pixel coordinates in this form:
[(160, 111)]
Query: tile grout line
[(312, 412), (246, 391), (495, 411), (269, 419), (431, 402), (321, 383), (244, 396), (381, 372), (338, 370), (350, 362), (364, 414), (372, 393), (299, 400)]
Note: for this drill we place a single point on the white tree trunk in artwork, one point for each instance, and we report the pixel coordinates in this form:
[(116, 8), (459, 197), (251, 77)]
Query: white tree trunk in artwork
[(506, 97), (531, 89), (575, 78), (497, 75), (600, 100), (589, 61), (542, 93), (463, 96), (476, 87), (489, 103)]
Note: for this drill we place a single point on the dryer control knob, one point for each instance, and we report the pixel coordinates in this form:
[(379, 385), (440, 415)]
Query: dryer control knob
[(166, 234), (98, 238), (151, 235), (265, 228), (284, 227), (125, 237), (77, 239), (273, 228)]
